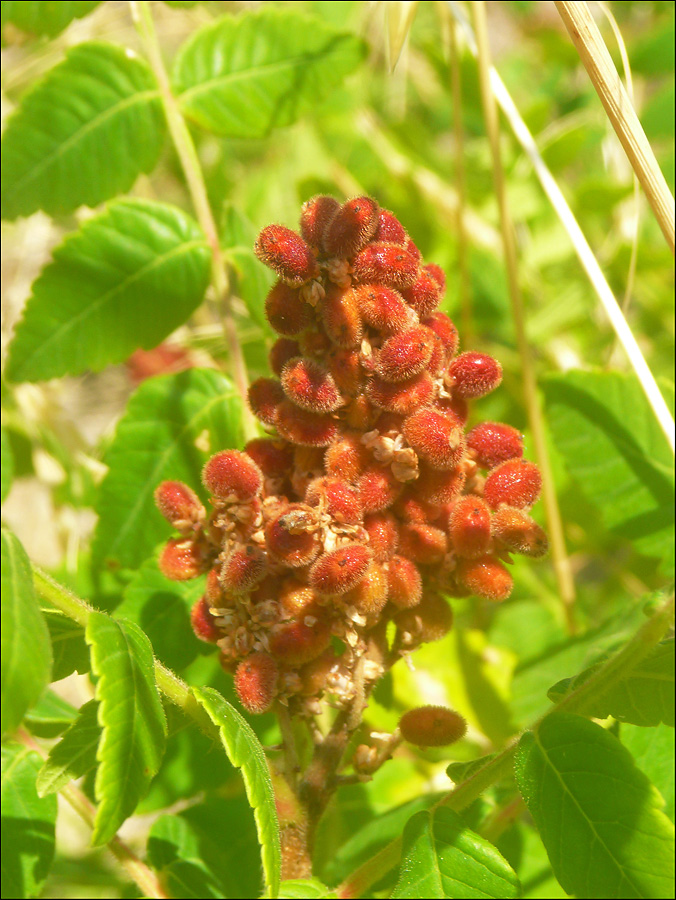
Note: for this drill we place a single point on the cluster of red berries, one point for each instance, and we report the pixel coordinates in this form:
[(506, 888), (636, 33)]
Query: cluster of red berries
[(368, 503)]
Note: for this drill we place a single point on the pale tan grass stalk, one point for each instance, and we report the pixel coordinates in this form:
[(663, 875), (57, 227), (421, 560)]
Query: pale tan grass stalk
[(596, 59), (579, 241), (564, 575), (399, 18)]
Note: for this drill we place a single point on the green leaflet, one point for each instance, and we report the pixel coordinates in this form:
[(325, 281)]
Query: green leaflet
[(242, 76), (50, 716), (245, 752), (74, 755), (7, 472), (83, 134), (598, 816), (131, 715), (26, 651), (40, 17), (645, 697), (653, 752), (172, 425), (442, 858), (28, 824), (126, 279)]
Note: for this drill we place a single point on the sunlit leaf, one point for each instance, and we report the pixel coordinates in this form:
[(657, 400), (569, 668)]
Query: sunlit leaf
[(7, 472), (442, 858), (131, 714), (40, 17), (597, 814), (172, 425), (69, 647), (305, 888), (74, 755), (50, 716), (653, 752), (245, 752), (26, 651), (242, 76), (126, 279), (83, 134), (252, 280), (28, 824)]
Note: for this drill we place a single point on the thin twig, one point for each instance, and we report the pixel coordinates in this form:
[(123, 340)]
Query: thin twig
[(596, 59), (137, 870), (291, 763), (192, 170), (564, 575), (580, 244)]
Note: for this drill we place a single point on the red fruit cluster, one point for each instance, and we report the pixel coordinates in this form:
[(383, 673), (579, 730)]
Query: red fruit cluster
[(368, 502)]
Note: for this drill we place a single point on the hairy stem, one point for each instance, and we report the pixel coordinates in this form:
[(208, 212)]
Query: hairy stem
[(141, 874), (562, 568), (192, 170)]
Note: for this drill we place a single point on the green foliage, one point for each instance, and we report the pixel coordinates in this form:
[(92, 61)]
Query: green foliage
[(26, 650), (7, 466), (58, 156), (132, 745), (28, 824), (50, 715), (242, 76), (75, 754), (38, 17), (653, 752), (126, 279), (598, 815)]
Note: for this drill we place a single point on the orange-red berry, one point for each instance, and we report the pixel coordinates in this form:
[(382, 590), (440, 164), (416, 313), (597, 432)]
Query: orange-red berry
[(494, 443), (287, 254), (286, 310), (474, 375), (402, 397), (432, 726), (314, 342), (387, 264), (232, 474), (179, 504), (204, 623), (315, 215), (434, 486), (213, 591), (516, 482), (389, 230), (486, 577), (383, 533), (336, 498), (337, 572), (273, 457), (182, 559), (369, 596), (435, 437), (382, 307), (244, 567), (438, 274), (404, 355), (429, 621), (307, 384), (303, 639), (341, 317), (256, 682), (516, 531), (290, 537), (422, 543), (265, 396), (404, 582), (281, 352), (378, 488), (445, 330), (351, 228), (423, 295), (347, 458), (303, 427), (470, 527), (344, 366), (295, 598)]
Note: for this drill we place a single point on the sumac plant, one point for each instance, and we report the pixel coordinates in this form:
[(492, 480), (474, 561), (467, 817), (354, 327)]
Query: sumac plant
[(371, 605)]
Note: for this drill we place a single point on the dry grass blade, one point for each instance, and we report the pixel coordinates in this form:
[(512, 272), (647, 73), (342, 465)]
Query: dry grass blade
[(604, 76), (582, 248), (399, 20)]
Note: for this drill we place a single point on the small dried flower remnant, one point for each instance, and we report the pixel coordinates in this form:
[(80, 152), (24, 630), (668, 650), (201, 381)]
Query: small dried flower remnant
[(368, 503)]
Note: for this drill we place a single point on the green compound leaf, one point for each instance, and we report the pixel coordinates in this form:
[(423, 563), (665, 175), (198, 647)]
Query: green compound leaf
[(126, 279), (645, 697), (161, 608), (83, 134), (598, 815), (653, 752), (50, 716), (40, 17), (132, 718), (615, 450), (245, 752), (28, 824), (172, 425), (74, 755), (7, 472), (69, 647), (443, 858), (26, 651), (242, 76)]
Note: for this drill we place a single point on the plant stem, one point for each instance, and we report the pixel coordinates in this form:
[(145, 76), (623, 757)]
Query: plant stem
[(192, 170), (579, 241), (564, 575), (137, 870), (603, 75), (610, 673)]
